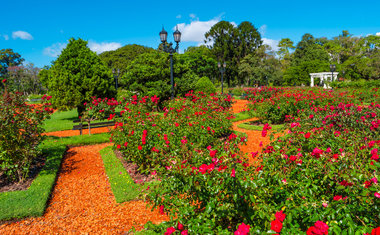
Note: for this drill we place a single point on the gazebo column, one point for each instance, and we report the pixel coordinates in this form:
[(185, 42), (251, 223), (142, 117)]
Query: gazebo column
[(312, 81)]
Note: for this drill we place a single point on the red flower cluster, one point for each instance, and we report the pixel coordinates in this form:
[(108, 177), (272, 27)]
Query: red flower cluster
[(276, 225), (319, 228), (243, 229), (180, 227), (265, 129)]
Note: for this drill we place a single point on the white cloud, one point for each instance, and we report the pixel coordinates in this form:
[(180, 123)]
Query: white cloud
[(271, 42), (178, 17), (103, 46), (6, 37), (263, 29), (378, 34), (195, 31), (22, 35), (55, 49), (192, 16)]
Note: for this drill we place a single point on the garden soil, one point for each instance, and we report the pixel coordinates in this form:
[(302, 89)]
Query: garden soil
[(82, 200)]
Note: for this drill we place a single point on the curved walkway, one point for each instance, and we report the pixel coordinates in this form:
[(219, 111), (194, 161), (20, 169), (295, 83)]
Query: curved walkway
[(255, 141), (82, 200)]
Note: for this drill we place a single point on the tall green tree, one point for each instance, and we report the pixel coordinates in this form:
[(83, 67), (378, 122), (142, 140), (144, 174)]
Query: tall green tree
[(202, 62), (308, 57), (231, 44), (77, 75), (123, 56), (285, 46), (24, 79), (149, 74), (8, 58), (261, 68)]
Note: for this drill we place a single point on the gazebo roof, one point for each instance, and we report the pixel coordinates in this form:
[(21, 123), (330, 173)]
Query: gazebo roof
[(323, 73)]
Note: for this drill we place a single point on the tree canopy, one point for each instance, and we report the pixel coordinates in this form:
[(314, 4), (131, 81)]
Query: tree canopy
[(77, 75), (8, 58)]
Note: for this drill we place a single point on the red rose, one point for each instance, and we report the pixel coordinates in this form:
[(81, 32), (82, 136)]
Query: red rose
[(264, 133), (322, 227), (169, 231), (280, 216), (375, 231), (4, 80), (312, 231), (162, 207), (307, 135), (276, 226), (140, 147), (180, 226)]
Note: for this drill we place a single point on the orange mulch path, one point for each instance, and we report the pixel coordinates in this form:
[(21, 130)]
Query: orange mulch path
[(82, 201), (255, 142), (67, 133), (239, 106)]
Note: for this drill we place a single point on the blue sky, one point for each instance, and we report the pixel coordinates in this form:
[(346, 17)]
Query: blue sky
[(38, 30)]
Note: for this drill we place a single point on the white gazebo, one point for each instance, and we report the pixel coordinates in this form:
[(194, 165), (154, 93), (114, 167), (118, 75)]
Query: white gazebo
[(325, 77)]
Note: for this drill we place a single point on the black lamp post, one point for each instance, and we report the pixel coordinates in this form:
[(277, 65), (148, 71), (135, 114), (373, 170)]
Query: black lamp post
[(222, 69), (332, 69), (171, 50), (116, 76)]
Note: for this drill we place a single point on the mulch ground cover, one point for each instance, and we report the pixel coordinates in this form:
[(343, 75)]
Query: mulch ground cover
[(68, 133), (82, 200)]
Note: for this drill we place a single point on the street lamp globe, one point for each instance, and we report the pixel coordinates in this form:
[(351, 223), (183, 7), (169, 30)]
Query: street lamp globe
[(177, 35), (332, 67), (164, 35), (224, 65), (219, 65)]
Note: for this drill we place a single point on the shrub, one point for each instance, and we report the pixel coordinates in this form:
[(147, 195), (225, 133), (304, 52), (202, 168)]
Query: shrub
[(20, 126), (205, 85), (324, 169)]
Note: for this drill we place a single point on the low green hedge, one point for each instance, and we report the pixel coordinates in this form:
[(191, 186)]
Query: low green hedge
[(32, 202)]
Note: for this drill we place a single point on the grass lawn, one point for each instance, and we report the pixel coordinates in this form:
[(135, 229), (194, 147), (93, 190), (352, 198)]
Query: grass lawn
[(241, 116), (61, 120), (122, 185), (253, 127), (32, 202)]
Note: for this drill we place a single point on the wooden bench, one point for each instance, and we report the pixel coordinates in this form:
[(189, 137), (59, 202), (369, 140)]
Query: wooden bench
[(82, 126)]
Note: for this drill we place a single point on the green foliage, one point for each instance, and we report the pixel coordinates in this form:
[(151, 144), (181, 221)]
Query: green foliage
[(260, 68), (308, 57), (356, 84), (181, 121), (252, 126), (323, 169), (202, 62), (242, 116), (20, 126), (205, 85), (77, 75), (122, 185), (149, 74), (24, 79), (33, 201), (231, 44), (123, 56), (60, 120), (8, 58)]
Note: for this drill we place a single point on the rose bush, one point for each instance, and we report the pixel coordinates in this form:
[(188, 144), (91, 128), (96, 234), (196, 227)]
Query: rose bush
[(324, 169), (21, 130)]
